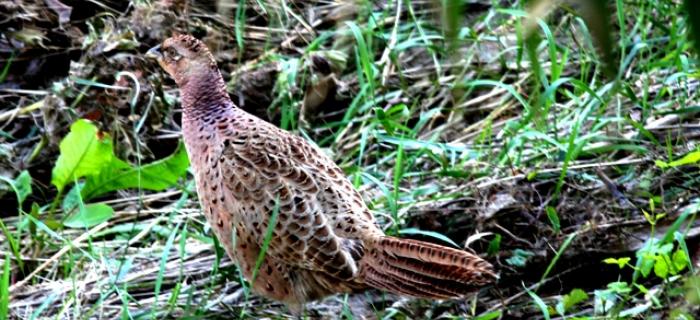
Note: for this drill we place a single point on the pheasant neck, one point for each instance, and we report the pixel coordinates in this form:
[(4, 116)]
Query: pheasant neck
[(205, 96)]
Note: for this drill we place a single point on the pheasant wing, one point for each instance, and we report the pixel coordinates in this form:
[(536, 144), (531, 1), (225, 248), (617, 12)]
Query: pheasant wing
[(265, 170)]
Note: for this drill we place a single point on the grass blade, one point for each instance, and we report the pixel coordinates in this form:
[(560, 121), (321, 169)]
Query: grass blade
[(4, 290)]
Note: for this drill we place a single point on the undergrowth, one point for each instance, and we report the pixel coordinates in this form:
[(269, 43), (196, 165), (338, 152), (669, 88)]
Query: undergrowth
[(559, 143)]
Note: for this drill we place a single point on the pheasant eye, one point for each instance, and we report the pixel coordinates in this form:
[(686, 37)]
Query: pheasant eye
[(172, 54)]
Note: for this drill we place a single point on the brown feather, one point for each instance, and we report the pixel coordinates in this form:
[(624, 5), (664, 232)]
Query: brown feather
[(443, 272), (324, 240)]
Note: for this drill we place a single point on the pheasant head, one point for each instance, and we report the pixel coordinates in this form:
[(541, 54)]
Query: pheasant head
[(185, 58), (188, 61)]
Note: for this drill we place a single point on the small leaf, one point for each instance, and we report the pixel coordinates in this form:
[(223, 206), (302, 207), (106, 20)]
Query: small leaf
[(574, 297), (90, 215), (661, 267), (646, 264), (680, 260), (619, 287), (621, 262), (494, 245), (648, 217), (23, 184), (84, 151)]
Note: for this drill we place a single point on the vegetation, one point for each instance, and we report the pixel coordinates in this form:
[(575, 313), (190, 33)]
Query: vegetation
[(558, 140)]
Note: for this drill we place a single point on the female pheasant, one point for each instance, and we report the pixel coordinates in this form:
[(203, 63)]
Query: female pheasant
[(324, 239)]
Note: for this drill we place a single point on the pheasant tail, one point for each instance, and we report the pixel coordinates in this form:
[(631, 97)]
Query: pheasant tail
[(424, 270)]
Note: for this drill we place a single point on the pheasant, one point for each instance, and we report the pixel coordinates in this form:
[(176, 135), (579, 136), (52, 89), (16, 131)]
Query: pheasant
[(264, 189)]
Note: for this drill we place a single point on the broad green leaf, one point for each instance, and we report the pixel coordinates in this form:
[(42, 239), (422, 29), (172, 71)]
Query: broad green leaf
[(680, 260), (619, 287), (84, 151), (661, 266), (156, 176), (89, 215), (646, 264)]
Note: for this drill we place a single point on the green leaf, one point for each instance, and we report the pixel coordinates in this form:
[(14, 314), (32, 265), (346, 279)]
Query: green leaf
[(156, 176), (574, 297), (621, 262), (84, 151), (89, 215), (661, 267), (690, 158), (73, 198), (619, 287), (22, 185), (680, 260), (494, 245), (646, 264)]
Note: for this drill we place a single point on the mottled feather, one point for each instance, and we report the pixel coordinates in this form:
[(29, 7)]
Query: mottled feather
[(324, 240)]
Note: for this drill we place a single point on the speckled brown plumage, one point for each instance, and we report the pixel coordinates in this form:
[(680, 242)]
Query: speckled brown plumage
[(324, 239)]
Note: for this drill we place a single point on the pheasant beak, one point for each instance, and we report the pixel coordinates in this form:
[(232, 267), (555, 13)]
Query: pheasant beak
[(154, 53)]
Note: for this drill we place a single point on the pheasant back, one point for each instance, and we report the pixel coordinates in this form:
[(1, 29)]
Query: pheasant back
[(254, 180)]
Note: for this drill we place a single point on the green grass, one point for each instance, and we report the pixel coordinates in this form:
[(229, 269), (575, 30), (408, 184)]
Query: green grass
[(552, 144)]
